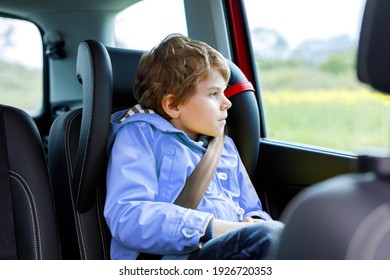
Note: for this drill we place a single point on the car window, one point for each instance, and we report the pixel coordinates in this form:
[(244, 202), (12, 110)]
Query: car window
[(305, 54), (21, 54), (144, 24)]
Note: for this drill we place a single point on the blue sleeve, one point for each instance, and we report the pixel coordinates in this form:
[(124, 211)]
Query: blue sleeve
[(137, 220)]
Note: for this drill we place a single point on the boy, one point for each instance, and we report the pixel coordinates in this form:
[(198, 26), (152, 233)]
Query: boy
[(156, 145)]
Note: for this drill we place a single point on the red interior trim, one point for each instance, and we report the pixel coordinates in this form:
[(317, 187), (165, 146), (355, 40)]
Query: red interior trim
[(239, 36), (237, 88)]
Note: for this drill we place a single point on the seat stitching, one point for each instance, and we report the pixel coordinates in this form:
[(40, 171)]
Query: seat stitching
[(86, 145), (89, 126), (99, 209), (37, 133), (33, 211), (70, 168), (80, 236), (83, 162)]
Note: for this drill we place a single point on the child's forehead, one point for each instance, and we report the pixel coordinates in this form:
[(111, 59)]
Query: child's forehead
[(219, 72), (213, 79)]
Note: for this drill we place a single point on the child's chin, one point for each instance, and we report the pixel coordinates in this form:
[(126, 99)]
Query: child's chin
[(216, 134)]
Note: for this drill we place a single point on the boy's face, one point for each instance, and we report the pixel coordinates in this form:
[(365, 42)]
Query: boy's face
[(205, 112)]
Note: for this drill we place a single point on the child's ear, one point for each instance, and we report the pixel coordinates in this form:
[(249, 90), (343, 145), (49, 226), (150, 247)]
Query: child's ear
[(170, 109)]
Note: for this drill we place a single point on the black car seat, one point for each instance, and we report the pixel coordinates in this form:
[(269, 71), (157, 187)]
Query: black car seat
[(28, 228), (348, 217), (77, 148), (76, 154), (124, 64), (83, 231), (243, 122)]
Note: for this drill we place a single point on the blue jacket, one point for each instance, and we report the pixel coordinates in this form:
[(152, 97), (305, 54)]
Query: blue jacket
[(149, 162)]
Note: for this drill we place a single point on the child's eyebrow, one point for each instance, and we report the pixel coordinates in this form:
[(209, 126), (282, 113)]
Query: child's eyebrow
[(217, 88)]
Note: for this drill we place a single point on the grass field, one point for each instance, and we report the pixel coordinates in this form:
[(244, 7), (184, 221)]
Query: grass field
[(343, 119)]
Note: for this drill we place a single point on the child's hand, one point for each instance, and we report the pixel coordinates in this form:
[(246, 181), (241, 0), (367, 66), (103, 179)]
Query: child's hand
[(221, 227), (250, 220)]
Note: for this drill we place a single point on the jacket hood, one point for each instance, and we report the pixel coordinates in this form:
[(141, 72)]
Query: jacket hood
[(118, 120)]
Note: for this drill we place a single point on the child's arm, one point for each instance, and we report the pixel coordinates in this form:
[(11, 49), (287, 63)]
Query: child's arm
[(251, 220)]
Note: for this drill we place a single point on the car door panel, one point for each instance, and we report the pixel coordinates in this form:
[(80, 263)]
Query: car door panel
[(284, 169)]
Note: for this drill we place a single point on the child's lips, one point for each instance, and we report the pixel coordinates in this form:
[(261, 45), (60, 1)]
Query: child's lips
[(223, 121), (223, 118)]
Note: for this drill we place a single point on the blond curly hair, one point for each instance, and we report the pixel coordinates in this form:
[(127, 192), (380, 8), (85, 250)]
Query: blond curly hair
[(175, 66)]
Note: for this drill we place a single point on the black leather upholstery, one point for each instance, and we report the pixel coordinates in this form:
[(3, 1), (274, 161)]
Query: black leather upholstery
[(373, 65), (243, 123), (33, 207), (77, 143), (124, 68)]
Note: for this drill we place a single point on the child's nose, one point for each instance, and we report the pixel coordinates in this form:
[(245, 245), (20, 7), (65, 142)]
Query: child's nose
[(226, 104)]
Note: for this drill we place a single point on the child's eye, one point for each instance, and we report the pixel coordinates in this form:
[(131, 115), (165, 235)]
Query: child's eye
[(213, 94)]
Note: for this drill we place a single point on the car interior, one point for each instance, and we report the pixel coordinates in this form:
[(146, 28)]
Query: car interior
[(53, 163)]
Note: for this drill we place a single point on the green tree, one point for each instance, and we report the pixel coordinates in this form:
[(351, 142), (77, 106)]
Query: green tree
[(339, 63)]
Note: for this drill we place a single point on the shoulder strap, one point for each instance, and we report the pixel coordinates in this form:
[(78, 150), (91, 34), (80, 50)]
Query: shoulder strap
[(7, 229), (199, 180)]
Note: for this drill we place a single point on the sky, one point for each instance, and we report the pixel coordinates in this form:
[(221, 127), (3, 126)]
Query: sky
[(294, 21), (290, 18), (25, 38), (163, 17)]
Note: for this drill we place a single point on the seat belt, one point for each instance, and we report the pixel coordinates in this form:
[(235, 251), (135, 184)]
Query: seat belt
[(197, 183), (199, 180), (8, 249)]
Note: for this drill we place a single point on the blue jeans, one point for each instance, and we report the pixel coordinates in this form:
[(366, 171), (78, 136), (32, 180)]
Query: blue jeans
[(253, 242)]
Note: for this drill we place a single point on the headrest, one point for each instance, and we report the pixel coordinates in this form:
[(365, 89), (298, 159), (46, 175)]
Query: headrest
[(373, 65), (243, 123), (124, 68), (94, 72)]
